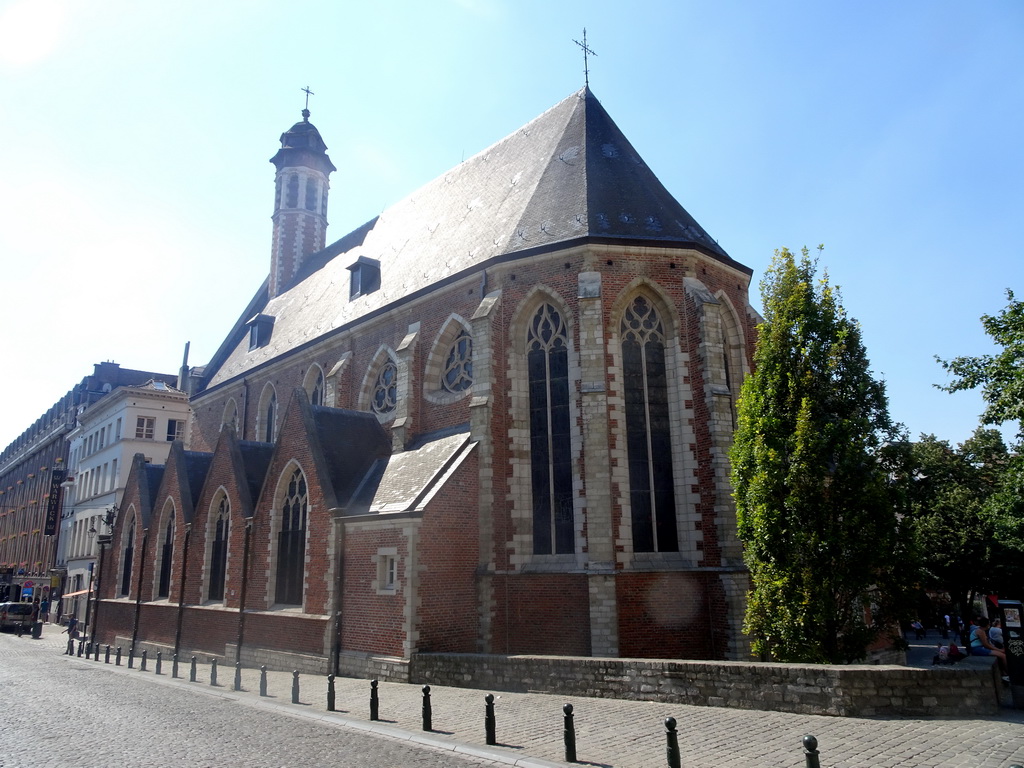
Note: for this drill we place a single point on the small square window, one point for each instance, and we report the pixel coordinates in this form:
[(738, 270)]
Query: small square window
[(144, 428), (175, 429), (387, 571)]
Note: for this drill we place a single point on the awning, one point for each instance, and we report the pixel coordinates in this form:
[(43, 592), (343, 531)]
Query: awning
[(76, 594)]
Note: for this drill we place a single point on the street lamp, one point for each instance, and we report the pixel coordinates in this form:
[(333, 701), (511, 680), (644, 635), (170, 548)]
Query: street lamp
[(103, 540)]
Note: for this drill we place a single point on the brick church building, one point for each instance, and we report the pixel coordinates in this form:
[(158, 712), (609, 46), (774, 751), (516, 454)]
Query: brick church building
[(493, 419)]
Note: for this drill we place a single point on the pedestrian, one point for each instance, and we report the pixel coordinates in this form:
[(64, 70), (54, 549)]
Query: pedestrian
[(995, 634), (44, 610), (72, 627)]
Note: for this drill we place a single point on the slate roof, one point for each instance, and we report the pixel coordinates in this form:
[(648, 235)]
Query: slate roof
[(350, 442), (405, 481), (568, 176)]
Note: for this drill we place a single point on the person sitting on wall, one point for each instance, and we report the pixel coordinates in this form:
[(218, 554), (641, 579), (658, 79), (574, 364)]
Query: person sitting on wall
[(982, 646), (995, 634)]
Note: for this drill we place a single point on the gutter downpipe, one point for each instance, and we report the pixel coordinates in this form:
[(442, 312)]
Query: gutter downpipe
[(339, 590), (243, 591), (181, 590), (138, 593)]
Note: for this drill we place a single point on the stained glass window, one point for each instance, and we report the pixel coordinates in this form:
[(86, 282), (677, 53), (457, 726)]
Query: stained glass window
[(219, 551), (648, 429), (166, 554), (547, 359), (385, 390), (458, 366), (291, 543)]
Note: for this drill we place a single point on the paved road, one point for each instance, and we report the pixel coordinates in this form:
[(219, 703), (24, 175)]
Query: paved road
[(72, 712)]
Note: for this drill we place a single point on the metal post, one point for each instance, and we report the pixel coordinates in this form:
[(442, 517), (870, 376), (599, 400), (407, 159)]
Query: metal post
[(569, 734), (489, 724), (213, 671), (131, 657), (174, 666), (192, 672), (671, 743), (106, 656), (427, 714), (238, 676), (159, 662), (117, 661), (81, 647), (374, 702), (811, 752), (96, 651), (142, 666), (263, 680), (295, 686), (330, 693)]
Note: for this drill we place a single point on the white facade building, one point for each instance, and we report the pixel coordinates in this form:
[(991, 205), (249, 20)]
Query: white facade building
[(144, 419)]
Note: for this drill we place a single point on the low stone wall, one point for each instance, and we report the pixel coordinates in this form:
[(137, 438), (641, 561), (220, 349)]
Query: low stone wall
[(845, 691)]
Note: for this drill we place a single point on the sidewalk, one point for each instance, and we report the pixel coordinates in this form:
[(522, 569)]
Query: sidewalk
[(609, 732)]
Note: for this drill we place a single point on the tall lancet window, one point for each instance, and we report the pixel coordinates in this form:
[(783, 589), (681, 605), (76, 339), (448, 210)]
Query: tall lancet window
[(648, 439), (547, 358), (271, 419), (316, 397), (219, 550), (291, 541), (166, 554), (126, 560)]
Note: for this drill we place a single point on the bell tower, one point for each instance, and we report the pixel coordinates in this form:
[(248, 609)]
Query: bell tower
[(300, 201)]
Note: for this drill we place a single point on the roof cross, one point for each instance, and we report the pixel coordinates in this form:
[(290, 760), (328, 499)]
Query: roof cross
[(586, 52), (308, 94)]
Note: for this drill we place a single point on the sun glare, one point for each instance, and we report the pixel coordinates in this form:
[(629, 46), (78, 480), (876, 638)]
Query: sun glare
[(29, 30)]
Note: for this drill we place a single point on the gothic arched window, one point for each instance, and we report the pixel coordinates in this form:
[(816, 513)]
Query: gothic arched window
[(648, 429), (457, 375), (547, 360), (314, 385), (126, 559), (163, 588), (385, 389), (219, 549), (291, 541), (270, 417)]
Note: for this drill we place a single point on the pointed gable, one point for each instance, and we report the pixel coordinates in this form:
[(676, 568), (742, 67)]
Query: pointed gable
[(350, 442)]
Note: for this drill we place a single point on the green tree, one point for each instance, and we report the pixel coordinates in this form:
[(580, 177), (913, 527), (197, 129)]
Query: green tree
[(950, 512), (814, 506), (1001, 376)]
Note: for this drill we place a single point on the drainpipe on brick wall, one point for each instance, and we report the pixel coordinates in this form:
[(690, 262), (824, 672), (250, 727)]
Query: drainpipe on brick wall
[(242, 592), (181, 590), (339, 588), (138, 591), (245, 407)]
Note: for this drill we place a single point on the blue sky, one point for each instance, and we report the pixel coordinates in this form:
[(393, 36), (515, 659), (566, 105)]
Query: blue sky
[(136, 194)]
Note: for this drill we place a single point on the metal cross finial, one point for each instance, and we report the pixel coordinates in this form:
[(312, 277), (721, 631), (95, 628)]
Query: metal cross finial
[(308, 94), (586, 52)]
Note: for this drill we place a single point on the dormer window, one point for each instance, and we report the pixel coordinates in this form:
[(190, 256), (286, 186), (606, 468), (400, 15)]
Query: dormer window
[(260, 328), (365, 277)]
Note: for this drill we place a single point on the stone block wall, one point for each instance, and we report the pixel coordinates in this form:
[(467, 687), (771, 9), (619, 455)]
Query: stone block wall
[(844, 691)]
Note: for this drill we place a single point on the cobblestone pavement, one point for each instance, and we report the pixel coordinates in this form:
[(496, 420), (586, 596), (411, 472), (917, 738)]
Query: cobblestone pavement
[(75, 697)]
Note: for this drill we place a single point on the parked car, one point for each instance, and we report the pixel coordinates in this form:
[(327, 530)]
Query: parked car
[(13, 615)]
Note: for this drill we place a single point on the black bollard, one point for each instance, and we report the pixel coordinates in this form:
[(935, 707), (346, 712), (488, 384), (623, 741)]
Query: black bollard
[(81, 647), (192, 672), (131, 657), (374, 702), (88, 650), (671, 743), (569, 734), (427, 714), (213, 671), (117, 659), (330, 693), (238, 676), (106, 655), (174, 666), (159, 662), (96, 651), (263, 680), (811, 752), (489, 724), (142, 666), (295, 686)]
